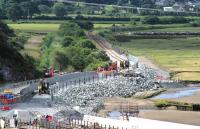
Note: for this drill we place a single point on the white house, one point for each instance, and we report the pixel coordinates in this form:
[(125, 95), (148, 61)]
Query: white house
[(169, 9)]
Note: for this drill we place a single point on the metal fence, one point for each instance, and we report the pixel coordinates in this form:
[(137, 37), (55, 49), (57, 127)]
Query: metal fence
[(68, 123), (60, 82), (77, 80)]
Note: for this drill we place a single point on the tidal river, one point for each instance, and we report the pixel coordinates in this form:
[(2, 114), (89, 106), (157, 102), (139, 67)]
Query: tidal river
[(178, 93)]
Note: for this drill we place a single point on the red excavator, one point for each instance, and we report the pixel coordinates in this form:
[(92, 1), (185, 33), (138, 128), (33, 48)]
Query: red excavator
[(49, 72), (109, 67), (112, 66)]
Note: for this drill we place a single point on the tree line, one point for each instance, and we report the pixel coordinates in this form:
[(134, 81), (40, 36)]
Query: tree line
[(39, 9)]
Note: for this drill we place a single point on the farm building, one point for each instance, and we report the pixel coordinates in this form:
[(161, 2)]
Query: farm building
[(168, 9)]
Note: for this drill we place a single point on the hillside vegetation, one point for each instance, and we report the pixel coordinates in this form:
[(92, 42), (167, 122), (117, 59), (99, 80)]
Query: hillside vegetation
[(13, 65), (70, 50)]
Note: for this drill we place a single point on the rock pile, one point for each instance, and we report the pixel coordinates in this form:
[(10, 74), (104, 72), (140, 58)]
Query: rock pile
[(89, 97), (150, 73)]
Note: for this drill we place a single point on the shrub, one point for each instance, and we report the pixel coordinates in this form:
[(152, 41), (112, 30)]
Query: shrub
[(85, 25), (78, 62), (59, 60), (195, 24), (67, 41), (59, 9), (85, 43), (151, 20)]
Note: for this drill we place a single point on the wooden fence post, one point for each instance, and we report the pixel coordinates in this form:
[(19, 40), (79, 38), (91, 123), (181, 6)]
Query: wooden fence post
[(87, 124)]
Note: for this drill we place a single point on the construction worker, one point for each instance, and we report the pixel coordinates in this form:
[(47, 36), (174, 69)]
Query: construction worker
[(40, 86)]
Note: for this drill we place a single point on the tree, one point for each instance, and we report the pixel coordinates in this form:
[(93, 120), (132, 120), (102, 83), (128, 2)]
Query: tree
[(5, 29), (109, 9), (78, 62), (44, 8), (29, 8), (59, 9), (67, 41), (14, 12), (85, 43), (71, 29), (85, 25), (59, 60)]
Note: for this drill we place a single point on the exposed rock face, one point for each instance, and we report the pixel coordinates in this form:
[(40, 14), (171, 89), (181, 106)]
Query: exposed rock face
[(7, 74)]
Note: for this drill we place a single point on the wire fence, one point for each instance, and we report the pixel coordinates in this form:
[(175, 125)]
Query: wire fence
[(79, 80), (68, 123)]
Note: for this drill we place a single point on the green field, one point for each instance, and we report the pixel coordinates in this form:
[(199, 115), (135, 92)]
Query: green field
[(174, 29), (26, 27), (181, 56)]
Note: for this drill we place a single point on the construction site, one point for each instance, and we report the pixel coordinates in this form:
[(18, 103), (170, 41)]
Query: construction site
[(105, 98)]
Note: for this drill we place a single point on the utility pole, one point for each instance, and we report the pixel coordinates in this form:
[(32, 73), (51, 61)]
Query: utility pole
[(28, 15)]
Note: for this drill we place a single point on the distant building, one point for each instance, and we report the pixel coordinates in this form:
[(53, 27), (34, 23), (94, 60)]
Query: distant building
[(168, 9), (177, 7), (190, 6)]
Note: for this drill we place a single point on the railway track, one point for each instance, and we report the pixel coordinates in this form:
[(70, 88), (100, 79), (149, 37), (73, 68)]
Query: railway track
[(104, 45)]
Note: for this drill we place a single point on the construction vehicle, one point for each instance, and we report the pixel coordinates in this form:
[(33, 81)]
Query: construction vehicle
[(49, 72), (113, 66), (109, 67), (124, 64), (43, 87)]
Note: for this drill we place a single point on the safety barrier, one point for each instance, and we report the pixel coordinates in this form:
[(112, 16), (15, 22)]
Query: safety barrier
[(91, 77), (58, 82)]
